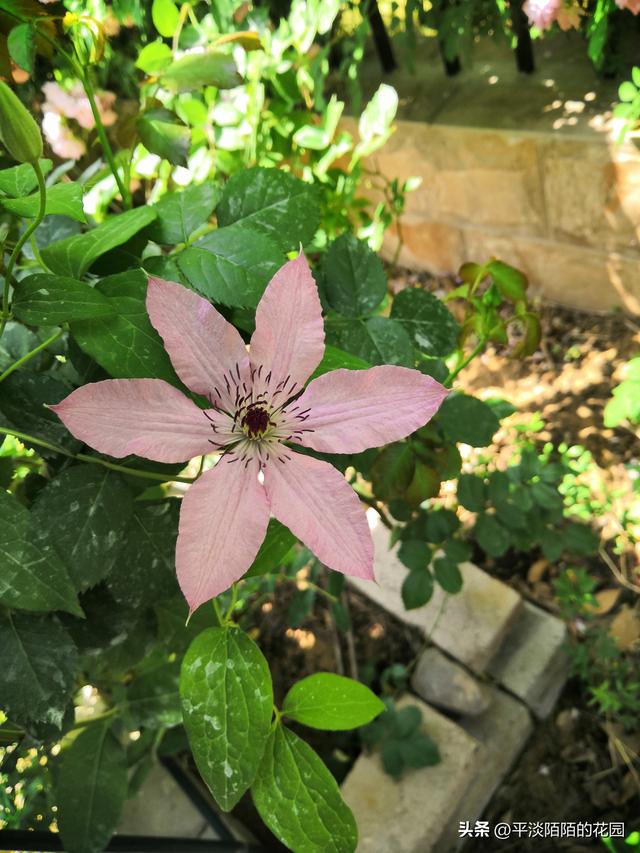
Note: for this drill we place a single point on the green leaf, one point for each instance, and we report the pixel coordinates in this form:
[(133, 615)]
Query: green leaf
[(417, 588), (231, 265), (378, 340), (84, 512), (627, 91), (153, 697), (354, 278), (457, 551), (467, 419), (227, 703), (38, 662), (511, 283), (49, 300), (21, 44), (420, 750), (414, 554), (179, 214), (20, 180), (580, 539), (162, 133), (546, 496), (331, 702), (126, 345), (277, 544), (145, 571), (440, 524), (392, 471), (491, 536), (273, 202), (447, 574), (299, 800), (62, 199), (154, 57), (471, 492), (428, 321), (75, 255), (90, 789), (165, 16), (32, 577), (195, 70), (337, 359)]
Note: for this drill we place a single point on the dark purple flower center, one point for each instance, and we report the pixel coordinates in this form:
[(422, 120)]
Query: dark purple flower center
[(255, 421)]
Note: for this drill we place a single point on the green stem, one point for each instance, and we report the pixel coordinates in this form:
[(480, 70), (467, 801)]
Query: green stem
[(28, 231), (85, 79), (94, 460), (38, 256), (479, 347), (219, 616), (234, 598), (58, 333), (372, 502)]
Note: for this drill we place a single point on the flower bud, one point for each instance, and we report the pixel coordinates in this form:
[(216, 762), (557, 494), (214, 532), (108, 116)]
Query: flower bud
[(19, 133)]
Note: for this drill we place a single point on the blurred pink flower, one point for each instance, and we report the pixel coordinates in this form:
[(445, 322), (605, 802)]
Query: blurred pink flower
[(61, 138), (541, 13), (260, 414), (633, 6), (75, 104)]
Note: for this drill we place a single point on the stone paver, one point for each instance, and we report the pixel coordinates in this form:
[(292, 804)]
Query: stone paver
[(469, 626), (444, 683), (533, 663), (161, 808), (503, 731), (408, 816)]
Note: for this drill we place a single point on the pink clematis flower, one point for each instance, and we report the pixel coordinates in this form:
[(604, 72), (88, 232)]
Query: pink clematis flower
[(260, 411), (541, 13)]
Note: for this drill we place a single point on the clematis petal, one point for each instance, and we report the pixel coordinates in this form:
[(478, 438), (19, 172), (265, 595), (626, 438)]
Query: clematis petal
[(347, 411), (202, 345), (288, 342), (223, 521), (318, 505), (145, 417)]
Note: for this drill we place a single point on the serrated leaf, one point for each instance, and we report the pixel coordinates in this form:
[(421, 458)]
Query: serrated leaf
[(38, 662), (378, 340), (273, 202), (299, 800), (163, 134), (32, 577), (90, 789), (331, 702), (178, 214), (427, 320), (19, 181), (277, 543), (145, 571), (227, 703), (126, 345), (467, 419), (471, 492), (48, 300), (354, 278), (73, 256), (84, 512), (206, 68), (392, 471), (491, 536), (62, 200), (447, 574), (231, 265), (417, 588)]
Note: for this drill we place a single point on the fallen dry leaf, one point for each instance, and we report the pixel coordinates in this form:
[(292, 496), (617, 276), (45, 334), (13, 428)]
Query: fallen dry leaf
[(625, 627), (538, 570), (605, 601)]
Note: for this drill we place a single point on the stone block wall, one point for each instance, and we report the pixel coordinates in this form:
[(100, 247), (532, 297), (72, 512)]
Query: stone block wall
[(563, 208)]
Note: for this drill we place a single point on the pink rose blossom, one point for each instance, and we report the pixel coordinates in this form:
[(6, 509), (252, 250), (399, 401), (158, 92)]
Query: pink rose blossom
[(61, 138), (541, 13), (260, 411)]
